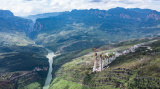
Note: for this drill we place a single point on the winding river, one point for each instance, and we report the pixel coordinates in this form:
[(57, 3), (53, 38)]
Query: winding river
[(49, 76)]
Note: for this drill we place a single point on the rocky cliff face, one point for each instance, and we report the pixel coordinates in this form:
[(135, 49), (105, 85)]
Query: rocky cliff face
[(153, 16)]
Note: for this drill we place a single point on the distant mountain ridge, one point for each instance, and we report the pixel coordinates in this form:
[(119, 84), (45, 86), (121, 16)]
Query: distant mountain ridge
[(81, 29), (13, 29), (45, 15), (92, 15)]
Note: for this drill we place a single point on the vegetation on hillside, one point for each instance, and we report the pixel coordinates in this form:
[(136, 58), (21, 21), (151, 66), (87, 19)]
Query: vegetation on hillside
[(14, 30), (22, 67), (81, 29), (135, 70)]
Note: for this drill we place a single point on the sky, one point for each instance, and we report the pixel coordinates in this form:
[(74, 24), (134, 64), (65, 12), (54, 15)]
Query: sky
[(32, 7)]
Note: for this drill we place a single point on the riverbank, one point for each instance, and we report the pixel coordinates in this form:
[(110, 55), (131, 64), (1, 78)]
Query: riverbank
[(49, 76)]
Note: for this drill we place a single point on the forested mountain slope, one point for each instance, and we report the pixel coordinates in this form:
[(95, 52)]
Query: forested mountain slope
[(80, 29), (22, 67), (136, 70), (14, 30)]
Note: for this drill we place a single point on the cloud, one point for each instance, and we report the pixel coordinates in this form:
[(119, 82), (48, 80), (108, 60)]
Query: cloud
[(31, 7), (96, 1), (28, 0)]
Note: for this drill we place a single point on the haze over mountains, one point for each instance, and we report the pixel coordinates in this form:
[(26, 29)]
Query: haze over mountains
[(45, 15)]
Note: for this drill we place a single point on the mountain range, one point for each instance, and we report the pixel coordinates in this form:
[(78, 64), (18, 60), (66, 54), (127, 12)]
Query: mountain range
[(23, 62), (80, 29)]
